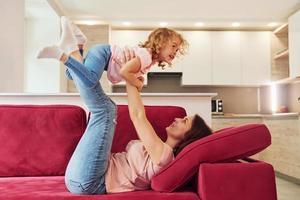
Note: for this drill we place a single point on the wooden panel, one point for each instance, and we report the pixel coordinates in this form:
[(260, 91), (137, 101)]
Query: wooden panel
[(284, 153), (282, 31), (219, 123), (280, 67)]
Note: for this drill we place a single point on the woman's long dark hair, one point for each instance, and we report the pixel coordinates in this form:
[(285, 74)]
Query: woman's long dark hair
[(198, 130)]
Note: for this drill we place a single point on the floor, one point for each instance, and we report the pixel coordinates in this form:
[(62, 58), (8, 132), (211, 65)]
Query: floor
[(287, 190)]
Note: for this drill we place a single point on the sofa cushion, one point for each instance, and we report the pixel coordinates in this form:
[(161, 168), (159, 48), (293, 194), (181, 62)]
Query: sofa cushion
[(224, 145), (53, 188), (38, 140), (159, 116)]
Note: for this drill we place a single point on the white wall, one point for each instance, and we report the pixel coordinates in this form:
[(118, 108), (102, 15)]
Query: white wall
[(12, 46), (42, 28), (41, 74)]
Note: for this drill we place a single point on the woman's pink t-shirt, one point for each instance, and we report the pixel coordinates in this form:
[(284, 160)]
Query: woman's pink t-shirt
[(133, 169), (113, 71)]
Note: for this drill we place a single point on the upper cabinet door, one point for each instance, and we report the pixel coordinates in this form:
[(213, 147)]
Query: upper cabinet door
[(226, 58), (256, 57), (196, 64), (294, 45), (127, 37)]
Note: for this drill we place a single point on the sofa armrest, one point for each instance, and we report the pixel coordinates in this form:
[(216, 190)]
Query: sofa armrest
[(235, 181)]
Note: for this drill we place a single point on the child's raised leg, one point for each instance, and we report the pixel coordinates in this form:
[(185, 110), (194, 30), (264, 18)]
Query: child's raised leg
[(89, 72)]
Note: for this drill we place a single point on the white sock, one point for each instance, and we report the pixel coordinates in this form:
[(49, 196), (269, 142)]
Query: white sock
[(80, 37), (68, 42), (50, 52)]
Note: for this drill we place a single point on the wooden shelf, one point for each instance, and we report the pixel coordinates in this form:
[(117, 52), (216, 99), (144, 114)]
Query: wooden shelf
[(282, 31), (283, 54)]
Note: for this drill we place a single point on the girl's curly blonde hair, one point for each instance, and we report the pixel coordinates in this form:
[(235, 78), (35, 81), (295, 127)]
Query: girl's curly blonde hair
[(159, 38)]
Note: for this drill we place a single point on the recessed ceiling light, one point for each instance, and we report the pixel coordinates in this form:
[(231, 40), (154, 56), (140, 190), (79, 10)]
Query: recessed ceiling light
[(126, 23), (199, 24), (235, 24), (272, 24), (163, 24), (90, 22)]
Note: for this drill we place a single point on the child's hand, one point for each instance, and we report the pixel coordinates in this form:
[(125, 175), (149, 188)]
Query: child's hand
[(140, 86), (141, 78)]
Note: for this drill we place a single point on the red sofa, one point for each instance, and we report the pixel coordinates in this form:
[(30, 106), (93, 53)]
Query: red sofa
[(36, 143)]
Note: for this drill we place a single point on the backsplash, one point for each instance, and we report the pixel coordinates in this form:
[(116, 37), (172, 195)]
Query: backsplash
[(287, 95), (265, 97)]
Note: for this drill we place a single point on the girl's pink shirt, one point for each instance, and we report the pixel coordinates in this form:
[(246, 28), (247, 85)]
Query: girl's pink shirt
[(113, 71), (133, 169)]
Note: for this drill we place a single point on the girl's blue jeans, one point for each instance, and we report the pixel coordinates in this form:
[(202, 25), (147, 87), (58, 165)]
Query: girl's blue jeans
[(85, 173)]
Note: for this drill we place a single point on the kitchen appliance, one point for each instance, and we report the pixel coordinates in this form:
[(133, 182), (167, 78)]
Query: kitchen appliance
[(217, 106)]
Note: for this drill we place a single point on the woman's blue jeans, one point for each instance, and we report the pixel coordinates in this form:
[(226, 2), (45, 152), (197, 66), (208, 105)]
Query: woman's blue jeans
[(85, 173)]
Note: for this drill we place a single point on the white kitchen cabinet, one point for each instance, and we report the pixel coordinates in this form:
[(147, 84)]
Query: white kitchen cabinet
[(226, 58), (255, 57), (127, 37), (196, 65), (294, 45), (214, 57)]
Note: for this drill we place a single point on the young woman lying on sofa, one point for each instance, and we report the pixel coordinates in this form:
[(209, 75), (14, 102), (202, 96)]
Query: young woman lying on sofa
[(92, 168)]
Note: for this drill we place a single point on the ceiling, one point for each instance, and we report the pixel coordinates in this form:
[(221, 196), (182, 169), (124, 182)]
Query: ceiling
[(254, 14), (39, 9)]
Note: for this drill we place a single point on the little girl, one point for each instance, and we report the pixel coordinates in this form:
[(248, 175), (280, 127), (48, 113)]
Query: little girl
[(161, 47)]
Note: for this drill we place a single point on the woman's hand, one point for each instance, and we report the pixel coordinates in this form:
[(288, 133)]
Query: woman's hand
[(128, 53), (124, 56)]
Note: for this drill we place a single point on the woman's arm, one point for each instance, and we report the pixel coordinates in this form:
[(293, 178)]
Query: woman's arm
[(129, 71), (145, 131)]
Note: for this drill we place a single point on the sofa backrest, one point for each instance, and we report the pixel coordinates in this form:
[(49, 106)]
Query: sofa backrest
[(38, 140), (159, 116)]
